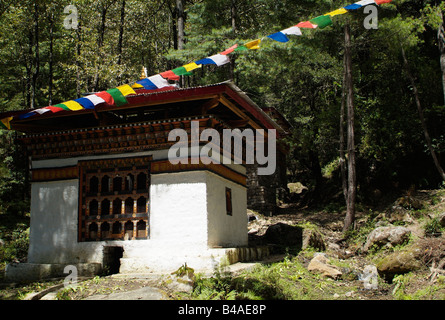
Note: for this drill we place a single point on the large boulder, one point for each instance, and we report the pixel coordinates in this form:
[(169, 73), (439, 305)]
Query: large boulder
[(400, 262), (387, 236), (313, 239), (284, 235), (319, 264)]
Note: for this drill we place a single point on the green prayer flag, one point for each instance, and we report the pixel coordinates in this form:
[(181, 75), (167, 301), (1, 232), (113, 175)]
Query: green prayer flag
[(181, 71), (118, 97), (241, 48), (322, 21), (61, 105)]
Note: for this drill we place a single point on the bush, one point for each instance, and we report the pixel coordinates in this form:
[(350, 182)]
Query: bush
[(16, 248)]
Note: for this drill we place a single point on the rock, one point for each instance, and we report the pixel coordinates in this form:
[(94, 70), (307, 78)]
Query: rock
[(400, 262), (319, 264), (349, 294), (313, 239), (398, 214), (441, 218), (390, 235), (284, 234), (145, 293), (179, 284), (251, 216), (370, 277), (409, 202)]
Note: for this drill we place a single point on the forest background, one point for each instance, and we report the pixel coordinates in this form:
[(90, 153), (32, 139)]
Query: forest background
[(42, 62)]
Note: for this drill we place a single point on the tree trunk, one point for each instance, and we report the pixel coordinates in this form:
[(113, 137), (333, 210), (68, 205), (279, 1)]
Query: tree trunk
[(36, 71), (180, 31), (344, 182), (441, 43), (352, 190), (421, 116), (233, 13), (180, 25), (51, 57), (100, 41), (121, 34)]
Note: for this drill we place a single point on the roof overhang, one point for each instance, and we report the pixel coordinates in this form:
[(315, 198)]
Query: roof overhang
[(237, 104)]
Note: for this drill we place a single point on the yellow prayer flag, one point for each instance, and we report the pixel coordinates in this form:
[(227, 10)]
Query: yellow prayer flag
[(137, 86), (126, 90), (5, 122), (336, 12), (73, 105), (255, 44), (192, 66)]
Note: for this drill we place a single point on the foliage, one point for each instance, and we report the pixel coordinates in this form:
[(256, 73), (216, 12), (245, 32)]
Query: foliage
[(42, 63)]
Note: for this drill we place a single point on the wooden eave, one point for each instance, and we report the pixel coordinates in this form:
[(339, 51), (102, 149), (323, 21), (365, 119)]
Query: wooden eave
[(238, 108)]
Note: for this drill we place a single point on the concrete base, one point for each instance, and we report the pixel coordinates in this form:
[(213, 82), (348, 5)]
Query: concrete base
[(25, 272), (206, 261)]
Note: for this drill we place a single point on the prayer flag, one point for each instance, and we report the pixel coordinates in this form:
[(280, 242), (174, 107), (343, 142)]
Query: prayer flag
[(365, 2), (241, 48), (147, 84), (106, 97), (230, 50), (126, 90), (181, 71), (253, 45), (292, 30), (159, 81), (4, 123), (338, 11), (85, 103), (322, 21), (279, 36), (379, 2), (353, 6), (62, 106), (137, 86), (71, 105), (33, 113), (218, 59), (27, 115), (95, 99), (54, 109), (42, 110), (191, 66), (118, 97), (306, 24), (170, 75)]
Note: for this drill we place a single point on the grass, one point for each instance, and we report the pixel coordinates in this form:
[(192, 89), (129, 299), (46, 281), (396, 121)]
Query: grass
[(286, 280)]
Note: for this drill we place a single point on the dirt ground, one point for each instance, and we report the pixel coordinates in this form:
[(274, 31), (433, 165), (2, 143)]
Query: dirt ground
[(416, 285)]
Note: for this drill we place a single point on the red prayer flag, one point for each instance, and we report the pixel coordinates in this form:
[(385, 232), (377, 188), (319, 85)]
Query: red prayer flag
[(54, 109), (306, 24), (107, 97), (170, 75), (379, 2), (230, 50)]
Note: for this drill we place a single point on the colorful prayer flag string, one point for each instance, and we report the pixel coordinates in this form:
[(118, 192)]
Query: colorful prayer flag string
[(117, 96)]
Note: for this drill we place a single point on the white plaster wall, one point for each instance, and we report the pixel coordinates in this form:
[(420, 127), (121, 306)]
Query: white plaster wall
[(187, 215), (178, 209), (54, 220), (225, 230)]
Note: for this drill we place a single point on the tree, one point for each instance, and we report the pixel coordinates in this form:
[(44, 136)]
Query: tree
[(352, 179)]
